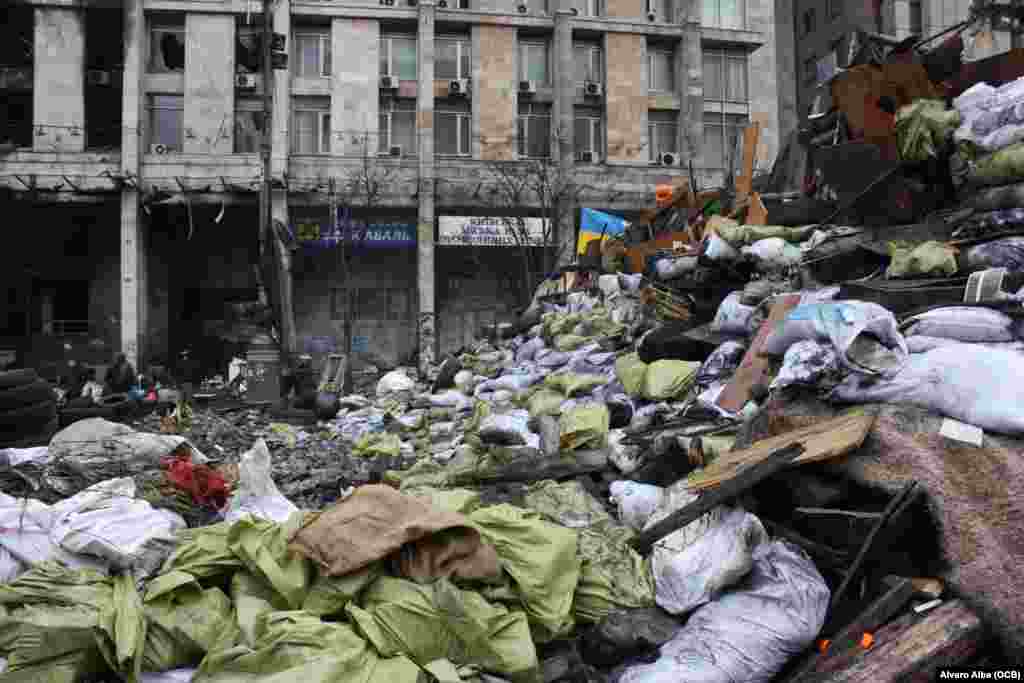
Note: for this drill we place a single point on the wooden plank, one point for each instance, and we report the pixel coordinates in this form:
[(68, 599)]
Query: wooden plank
[(712, 499), (911, 648), (757, 214), (821, 441), (754, 368), (745, 181)]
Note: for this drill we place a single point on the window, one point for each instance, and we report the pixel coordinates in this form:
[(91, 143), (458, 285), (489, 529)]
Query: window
[(916, 18), (453, 58), (662, 10), (589, 64), (835, 8), (248, 126), (810, 71), (167, 49), (451, 129), (311, 126), (724, 13), (534, 130), (661, 73), (533, 63), (809, 21), (398, 126), (725, 76), (398, 57), (722, 136), (166, 119), (312, 54), (661, 133), (588, 8), (248, 50), (587, 132)]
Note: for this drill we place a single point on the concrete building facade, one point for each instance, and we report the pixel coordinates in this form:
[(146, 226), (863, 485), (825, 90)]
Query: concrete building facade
[(147, 115)]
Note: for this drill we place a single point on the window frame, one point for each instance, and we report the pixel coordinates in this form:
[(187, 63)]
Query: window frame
[(653, 52), (723, 57), (533, 111), (325, 52), (725, 123), (654, 122), (390, 38), (718, 20), (461, 116), (323, 123), (464, 45), (524, 45), (589, 8), (596, 58), (151, 108), (916, 7), (810, 20), (388, 110), (595, 129), (161, 27)]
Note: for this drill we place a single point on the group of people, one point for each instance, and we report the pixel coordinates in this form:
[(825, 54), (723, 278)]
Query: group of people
[(84, 389)]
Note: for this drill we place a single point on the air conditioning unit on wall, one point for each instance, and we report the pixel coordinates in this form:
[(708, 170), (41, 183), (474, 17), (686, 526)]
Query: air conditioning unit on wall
[(586, 157), (528, 87), (395, 150), (459, 87), (157, 148), (245, 81), (97, 77), (592, 88), (669, 159), (388, 83), (442, 4)]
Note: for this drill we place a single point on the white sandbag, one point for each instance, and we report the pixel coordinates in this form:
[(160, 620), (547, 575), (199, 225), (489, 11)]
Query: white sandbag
[(631, 282), (962, 323), (694, 567), (12, 457), (510, 429), (718, 250), (256, 493), (513, 383), (1007, 252), (981, 386), (807, 363), (750, 633), (609, 285), (555, 359), (773, 253), (636, 502), (722, 363), (393, 382), (732, 316), (670, 268), (625, 457), (27, 537), (527, 351), (852, 327), (451, 399)]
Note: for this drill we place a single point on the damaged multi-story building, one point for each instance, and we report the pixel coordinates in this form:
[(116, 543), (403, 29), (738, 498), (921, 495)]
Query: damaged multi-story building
[(130, 165)]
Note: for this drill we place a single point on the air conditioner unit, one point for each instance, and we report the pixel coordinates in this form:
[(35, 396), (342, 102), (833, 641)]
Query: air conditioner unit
[(388, 83), (442, 4), (669, 159), (586, 157), (522, 9), (651, 16), (528, 87), (388, 3), (395, 150), (459, 86), (158, 149), (592, 88), (97, 77), (245, 81)]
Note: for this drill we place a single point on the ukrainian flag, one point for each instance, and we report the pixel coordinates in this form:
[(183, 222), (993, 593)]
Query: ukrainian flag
[(594, 224)]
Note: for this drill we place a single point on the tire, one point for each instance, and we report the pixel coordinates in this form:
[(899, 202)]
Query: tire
[(27, 420), (26, 395), (17, 378)]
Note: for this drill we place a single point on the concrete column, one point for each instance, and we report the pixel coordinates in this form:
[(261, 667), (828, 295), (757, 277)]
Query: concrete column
[(565, 89), (786, 67), (209, 83), (425, 238), (762, 90), (133, 293), (281, 118), (58, 90), (691, 113)]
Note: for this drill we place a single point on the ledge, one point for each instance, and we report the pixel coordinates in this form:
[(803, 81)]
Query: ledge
[(751, 40)]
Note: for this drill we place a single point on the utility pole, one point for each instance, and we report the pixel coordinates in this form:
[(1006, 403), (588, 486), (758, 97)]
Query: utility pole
[(266, 219), (1016, 38)]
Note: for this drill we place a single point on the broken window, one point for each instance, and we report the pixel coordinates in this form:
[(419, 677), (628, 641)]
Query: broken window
[(104, 63), (661, 70), (453, 58), (249, 50), (662, 133), (312, 54), (311, 126), (166, 120), (248, 126), (587, 133), (398, 127), (452, 129), (167, 48), (534, 130)]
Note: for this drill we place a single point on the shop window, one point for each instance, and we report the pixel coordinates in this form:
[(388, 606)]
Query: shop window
[(372, 303), (398, 57), (311, 125), (104, 63), (398, 127), (452, 129), (534, 130), (453, 58), (662, 133), (534, 62), (166, 120), (916, 17), (167, 46)]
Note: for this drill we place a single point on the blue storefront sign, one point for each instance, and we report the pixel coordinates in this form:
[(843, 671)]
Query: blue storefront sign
[(318, 233)]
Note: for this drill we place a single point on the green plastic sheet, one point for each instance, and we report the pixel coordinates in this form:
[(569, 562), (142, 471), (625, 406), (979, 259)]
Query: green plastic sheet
[(440, 621), (262, 546), (584, 426), (204, 552), (668, 379), (631, 371), (541, 559), (330, 595)]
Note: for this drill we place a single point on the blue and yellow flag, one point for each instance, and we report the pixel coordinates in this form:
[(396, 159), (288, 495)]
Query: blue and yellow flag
[(594, 224)]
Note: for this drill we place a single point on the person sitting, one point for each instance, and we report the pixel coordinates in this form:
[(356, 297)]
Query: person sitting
[(92, 390), (121, 376)]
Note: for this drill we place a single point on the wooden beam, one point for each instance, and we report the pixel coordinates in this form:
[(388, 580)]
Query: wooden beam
[(744, 183), (709, 500)]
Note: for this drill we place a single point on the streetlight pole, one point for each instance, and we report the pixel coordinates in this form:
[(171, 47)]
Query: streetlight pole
[(266, 226)]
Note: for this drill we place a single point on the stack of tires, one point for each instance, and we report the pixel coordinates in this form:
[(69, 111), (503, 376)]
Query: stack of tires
[(28, 409)]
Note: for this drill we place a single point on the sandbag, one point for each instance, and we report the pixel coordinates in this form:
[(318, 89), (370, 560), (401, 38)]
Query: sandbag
[(569, 342), (967, 382), (630, 370), (1002, 167), (749, 634), (626, 457), (636, 502), (669, 379), (809, 363), (1002, 253), (773, 253), (527, 351), (732, 316), (671, 268), (931, 259), (692, 569), (922, 128), (722, 363), (509, 429), (573, 384), (961, 323), (852, 327), (584, 426), (612, 576), (545, 402), (394, 382)]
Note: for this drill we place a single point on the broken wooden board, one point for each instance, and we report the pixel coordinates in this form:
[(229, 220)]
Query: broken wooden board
[(754, 368), (745, 180), (757, 214), (911, 648), (822, 441)]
